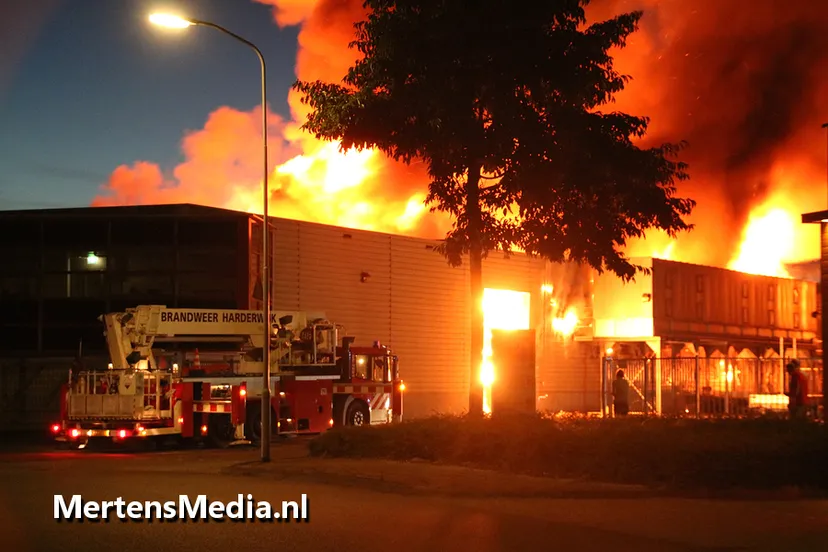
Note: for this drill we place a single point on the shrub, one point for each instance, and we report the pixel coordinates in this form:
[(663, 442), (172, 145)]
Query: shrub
[(685, 453)]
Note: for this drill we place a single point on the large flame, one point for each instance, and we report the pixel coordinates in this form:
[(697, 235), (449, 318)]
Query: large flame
[(743, 84)]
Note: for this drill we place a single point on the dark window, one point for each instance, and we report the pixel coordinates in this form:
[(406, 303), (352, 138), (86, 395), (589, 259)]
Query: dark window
[(220, 262), (87, 285), (18, 338), (699, 283), (745, 315), (796, 320), (772, 317), (212, 232), (796, 296), (143, 231), (19, 261), (18, 312), (668, 280), (745, 290), (142, 285), (700, 311), (18, 233), (74, 285), (73, 312), (207, 287), (76, 233), (144, 259), (18, 287), (72, 338)]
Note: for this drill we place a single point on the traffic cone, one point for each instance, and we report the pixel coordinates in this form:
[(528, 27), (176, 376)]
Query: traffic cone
[(197, 361)]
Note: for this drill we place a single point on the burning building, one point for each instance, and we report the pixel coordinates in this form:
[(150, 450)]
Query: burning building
[(71, 265)]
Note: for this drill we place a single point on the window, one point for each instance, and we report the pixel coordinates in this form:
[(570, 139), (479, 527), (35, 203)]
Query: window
[(380, 369), (80, 233), (91, 285), (745, 315), (20, 262), (668, 280), (208, 260), (771, 293), (745, 290), (796, 296), (361, 366), (207, 286), (668, 309), (17, 287), (700, 311), (212, 232), (699, 283), (772, 317), (159, 285), (796, 320)]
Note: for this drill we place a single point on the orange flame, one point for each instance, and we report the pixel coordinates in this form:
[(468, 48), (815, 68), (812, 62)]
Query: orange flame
[(677, 77)]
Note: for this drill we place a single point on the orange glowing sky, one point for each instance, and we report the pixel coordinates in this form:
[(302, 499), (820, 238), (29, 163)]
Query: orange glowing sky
[(735, 82)]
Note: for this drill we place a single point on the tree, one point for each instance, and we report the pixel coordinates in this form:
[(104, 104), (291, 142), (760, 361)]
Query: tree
[(501, 104)]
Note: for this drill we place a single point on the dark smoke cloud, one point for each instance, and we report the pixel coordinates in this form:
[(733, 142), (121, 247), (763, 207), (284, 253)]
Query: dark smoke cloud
[(741, 81)]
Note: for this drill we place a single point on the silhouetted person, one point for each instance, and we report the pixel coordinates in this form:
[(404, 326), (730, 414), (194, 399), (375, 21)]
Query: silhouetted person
[(797, 390), (621, 394)]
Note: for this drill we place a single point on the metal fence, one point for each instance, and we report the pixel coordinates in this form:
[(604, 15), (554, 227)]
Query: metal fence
[(709, 386)]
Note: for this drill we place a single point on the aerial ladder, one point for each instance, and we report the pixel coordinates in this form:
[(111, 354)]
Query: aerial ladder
[(319, 379)]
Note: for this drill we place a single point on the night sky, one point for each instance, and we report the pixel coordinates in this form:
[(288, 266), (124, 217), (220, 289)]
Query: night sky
[(87, 85)]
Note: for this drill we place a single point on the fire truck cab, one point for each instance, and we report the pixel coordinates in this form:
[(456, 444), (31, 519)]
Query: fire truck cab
[(319, 378)]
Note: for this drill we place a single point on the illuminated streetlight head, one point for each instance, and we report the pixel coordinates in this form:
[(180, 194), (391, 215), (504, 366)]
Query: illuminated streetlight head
[(167, 20)]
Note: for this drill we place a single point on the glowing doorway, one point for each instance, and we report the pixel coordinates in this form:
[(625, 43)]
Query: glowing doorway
[(502, 310)]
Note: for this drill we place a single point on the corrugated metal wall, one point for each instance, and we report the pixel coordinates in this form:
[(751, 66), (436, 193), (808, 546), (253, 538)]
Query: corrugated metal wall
[(410, 299), (694, 299)]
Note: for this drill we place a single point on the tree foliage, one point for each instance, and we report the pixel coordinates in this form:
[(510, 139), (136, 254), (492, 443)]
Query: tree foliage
[(484, 87)]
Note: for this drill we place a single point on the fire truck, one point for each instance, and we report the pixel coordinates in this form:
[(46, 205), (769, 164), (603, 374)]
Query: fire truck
[(319, 379)]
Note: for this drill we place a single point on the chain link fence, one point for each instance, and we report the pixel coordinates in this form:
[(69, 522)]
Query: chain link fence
[(709, 386)]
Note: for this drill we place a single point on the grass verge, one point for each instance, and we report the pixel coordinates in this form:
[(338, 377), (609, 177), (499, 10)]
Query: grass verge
[(676, 453)]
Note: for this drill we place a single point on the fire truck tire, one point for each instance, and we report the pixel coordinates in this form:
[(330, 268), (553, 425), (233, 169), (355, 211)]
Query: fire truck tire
[(221, 430), (253, 425), (357, 414)]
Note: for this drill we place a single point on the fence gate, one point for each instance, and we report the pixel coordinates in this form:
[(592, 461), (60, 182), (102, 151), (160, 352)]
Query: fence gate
[(711, 386), (640, 374)]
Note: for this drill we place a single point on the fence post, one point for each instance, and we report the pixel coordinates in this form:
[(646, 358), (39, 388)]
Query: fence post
[(603, 387), (698, 387), (644, 384)]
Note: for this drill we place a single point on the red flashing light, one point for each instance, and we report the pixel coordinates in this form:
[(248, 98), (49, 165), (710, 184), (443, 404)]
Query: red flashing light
[(204, 429), (122, 434), (55, 428), (243, 392), (75, 433)]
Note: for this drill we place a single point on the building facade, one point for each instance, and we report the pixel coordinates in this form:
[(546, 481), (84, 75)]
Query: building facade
[(66, 267)]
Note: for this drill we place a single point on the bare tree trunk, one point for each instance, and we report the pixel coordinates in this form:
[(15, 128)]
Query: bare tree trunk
[(475, 290)]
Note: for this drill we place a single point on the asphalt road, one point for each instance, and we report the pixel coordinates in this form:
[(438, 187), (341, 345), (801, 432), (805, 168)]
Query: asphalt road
[(363, 517)]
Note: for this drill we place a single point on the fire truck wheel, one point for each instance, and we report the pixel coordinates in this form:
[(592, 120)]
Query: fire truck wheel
[(253, 425), (357, 414), (221, 431)]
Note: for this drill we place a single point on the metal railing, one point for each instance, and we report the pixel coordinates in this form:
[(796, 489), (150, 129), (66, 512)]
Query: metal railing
[(709, 386), (120, 394)]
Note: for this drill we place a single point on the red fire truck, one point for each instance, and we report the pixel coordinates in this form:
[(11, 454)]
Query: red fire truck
[(319, 379)]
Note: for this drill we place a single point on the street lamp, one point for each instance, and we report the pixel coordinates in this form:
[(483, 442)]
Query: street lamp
[(825, 125), (175, 22)]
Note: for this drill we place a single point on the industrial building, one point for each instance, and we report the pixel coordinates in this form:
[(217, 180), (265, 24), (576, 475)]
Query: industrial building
[(65, 267)]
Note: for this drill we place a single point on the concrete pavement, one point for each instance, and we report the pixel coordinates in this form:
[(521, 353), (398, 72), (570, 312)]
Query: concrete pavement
[(367, 504)]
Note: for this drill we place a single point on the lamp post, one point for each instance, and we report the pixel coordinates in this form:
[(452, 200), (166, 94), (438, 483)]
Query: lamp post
[(172, 21), (825, 125)]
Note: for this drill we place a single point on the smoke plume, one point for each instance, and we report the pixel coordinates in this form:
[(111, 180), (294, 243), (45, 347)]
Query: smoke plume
[(739, 80)]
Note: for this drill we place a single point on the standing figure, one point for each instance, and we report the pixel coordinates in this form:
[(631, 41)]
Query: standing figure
[(797, 390), (621, 394)]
